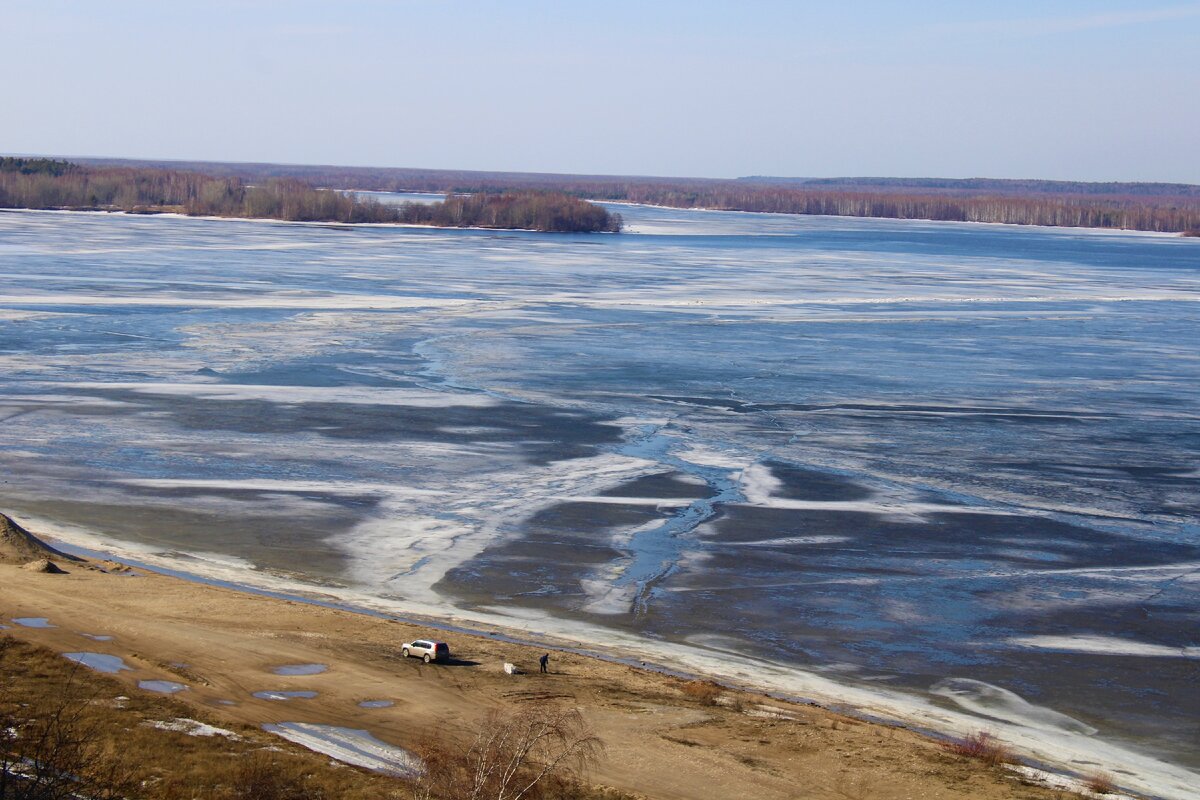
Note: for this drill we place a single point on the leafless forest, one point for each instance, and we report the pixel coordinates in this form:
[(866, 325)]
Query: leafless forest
[(1166, 207), (52, 184)]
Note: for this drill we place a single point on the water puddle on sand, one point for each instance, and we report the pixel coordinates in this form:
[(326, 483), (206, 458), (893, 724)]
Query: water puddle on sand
[(376, 704), (100, 662), (98, 637), (300, 669), (33, 622), (164, 687), (350, 746), (306, 695)]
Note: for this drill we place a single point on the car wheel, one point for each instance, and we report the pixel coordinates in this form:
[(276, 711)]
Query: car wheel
[(427, 658), (405, 652)]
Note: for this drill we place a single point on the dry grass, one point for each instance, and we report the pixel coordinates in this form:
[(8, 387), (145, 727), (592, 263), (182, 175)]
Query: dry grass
[(39, 684), (982, 746), (1100, 783), (703, 692)]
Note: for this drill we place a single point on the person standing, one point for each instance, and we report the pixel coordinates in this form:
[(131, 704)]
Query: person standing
[(543, 661)]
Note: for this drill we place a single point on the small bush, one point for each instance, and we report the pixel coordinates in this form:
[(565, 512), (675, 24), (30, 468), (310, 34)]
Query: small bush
[(704, 692), (1100, 783), (982, 746)]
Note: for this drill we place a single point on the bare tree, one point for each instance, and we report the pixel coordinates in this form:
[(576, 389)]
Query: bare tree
[(516, 754)]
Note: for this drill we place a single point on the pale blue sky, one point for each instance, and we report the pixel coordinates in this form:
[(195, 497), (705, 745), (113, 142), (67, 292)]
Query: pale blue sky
[(1100, 90)]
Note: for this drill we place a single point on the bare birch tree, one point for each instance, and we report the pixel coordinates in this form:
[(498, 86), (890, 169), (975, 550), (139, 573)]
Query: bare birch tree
[(519, 754)]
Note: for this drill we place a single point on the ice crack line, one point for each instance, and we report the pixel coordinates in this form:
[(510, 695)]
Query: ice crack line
[(655, 550)]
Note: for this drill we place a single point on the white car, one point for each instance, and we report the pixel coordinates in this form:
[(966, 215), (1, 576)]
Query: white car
[(426, 650)]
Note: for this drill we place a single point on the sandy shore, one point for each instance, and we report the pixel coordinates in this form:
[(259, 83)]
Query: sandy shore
[(1068, 753), (224, 645)]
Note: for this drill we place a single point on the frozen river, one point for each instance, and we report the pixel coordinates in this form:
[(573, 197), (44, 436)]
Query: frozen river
[(948, 462)]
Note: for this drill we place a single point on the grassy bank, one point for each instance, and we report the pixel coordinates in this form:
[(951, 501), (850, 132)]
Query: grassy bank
[(66, 730)]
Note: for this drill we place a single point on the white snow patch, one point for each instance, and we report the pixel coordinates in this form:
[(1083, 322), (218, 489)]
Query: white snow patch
[(298, 300), (350, 746), (1104, 646), (1059, 782), (355, 395), (758, 484), (788, 540), (708, 457), (993, 701), (606, 597), (618, 500), (192, 728)]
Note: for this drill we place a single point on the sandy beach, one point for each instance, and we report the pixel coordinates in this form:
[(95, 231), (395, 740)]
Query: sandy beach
[(257, 660)]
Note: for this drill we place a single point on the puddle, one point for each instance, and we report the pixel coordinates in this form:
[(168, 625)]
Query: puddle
[(376, 704), (98, 637), (350, 746), (226, 703), (285, 695), (300, 669), (33, 622), (165, 687), (98, 661)]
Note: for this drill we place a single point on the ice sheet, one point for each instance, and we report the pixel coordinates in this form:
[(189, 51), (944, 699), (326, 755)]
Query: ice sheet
[(350, 746)]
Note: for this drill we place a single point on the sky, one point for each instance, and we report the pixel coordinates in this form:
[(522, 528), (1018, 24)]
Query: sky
[(1097, 90)]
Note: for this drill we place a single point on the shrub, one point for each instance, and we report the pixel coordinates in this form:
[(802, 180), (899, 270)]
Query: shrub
[(982, 746), (1100, 783), (704, 692)]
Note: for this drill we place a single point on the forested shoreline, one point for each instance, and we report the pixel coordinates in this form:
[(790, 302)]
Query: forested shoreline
[(1164, 207), (551, 202), (1044, 210), (54, 184)]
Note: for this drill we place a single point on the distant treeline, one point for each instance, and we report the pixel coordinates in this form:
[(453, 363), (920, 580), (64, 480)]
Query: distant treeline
[(1135, 206), (34, 166), (1132, 213), (1005, 186), (533, 210), (47, 184)]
